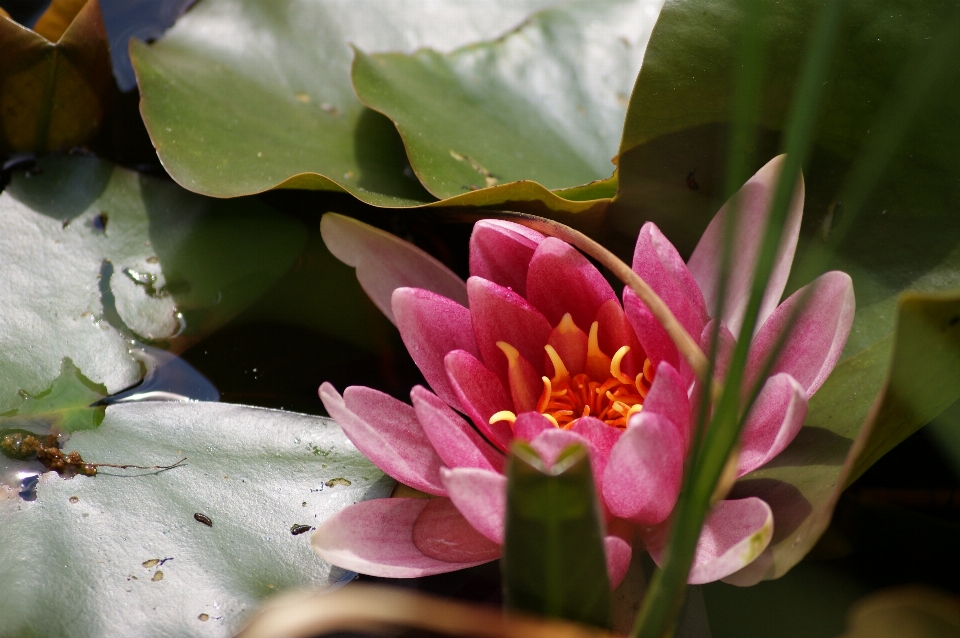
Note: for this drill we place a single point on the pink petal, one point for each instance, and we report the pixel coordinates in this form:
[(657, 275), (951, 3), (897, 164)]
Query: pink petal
[(387, 432), (642, 478), (481, 394), (499, 314), (658, 262), (455, 441), (431, 326), (668, 398), (530, 424), (653, 338), (481, 496), (774, 421), (755, 197), (618, 553), (615, 331), (500, 252), (385, 262), (602, 437), (734, 535), (376, 537), (816, 341), (443, 533), (561, 280)]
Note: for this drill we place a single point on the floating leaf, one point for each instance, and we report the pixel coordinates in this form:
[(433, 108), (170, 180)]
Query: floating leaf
[(546, 102), (94, 255), (553, 556), (55, 81), (243, 96), (128, 550)]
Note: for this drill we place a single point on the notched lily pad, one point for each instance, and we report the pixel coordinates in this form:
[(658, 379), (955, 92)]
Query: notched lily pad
[(545, 102), (242, 96)]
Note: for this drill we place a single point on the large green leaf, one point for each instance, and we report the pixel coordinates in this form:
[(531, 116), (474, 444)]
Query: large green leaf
[(905, 236), (84, 558), (553, 555), (93, 256), (241, 96), (546, 102)]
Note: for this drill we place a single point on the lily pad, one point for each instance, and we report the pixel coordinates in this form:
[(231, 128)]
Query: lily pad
[(242, 96), (55, 81), (95, 256), (189, 551), (546, 102)]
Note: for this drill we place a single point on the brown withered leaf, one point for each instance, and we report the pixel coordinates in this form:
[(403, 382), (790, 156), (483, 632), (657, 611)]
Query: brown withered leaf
[(56, 82)]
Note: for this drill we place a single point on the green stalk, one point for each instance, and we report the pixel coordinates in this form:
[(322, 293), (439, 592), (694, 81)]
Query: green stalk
[(661, 608)]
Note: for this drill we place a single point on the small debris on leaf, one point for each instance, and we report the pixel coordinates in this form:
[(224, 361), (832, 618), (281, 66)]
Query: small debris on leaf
[(338, 481), (298, 529), (157, 577), (203, 518), (203, 617), (153, 562), (74, 500)]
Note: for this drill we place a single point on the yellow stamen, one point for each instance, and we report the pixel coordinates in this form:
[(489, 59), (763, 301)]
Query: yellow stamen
[(552, 420), (503, 415), (615, 365), (512, 353), (648, 371), (544, 401), (634, 410), (598, 364), (559, 370)]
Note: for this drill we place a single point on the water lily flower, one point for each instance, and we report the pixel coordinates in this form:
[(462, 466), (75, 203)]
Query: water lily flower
[(537, 346)]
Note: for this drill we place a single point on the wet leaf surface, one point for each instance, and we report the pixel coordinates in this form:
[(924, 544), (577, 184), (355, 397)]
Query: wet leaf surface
[(242, 96), (130, 552), (545, 102), (95, 256)]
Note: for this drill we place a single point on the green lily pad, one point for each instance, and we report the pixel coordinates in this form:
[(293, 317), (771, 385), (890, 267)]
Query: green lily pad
[(242, 96), (546, 102), (905, 236), (189, 551), (95, 256)]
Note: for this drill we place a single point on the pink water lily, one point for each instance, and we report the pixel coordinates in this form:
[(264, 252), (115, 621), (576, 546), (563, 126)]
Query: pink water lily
[(536, 346)]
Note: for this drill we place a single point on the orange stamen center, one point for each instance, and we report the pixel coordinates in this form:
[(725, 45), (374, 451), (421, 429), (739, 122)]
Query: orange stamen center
[(602, 391)]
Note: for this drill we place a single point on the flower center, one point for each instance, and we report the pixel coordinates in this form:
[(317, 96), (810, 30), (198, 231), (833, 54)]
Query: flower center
[(602, 391)]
